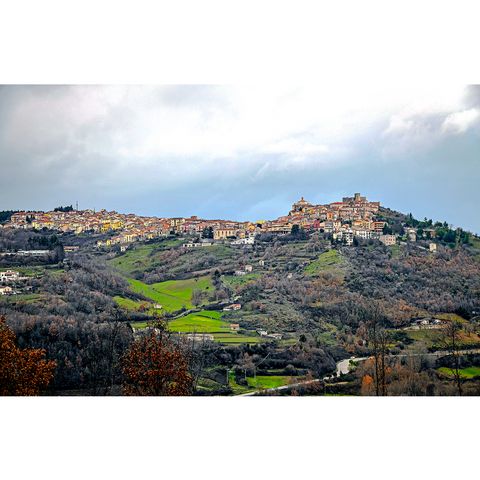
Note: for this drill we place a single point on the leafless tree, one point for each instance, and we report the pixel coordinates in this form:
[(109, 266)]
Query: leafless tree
[(450, 341), (377, 337)]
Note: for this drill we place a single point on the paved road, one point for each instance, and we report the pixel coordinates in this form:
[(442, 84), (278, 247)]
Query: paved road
[(343, 367)]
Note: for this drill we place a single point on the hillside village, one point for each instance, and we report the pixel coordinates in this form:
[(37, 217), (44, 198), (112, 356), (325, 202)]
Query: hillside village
[(353, 217), (263, 304)]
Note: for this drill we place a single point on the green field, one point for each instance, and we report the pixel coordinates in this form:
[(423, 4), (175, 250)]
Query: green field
[(467, 373), (35, 270), (22, 297), (135, 305), (330, 260), (205, 321), (395, 250), (233, 338), (431, 338), (267, 381), (237, 281), (142, 257), (173, 295)]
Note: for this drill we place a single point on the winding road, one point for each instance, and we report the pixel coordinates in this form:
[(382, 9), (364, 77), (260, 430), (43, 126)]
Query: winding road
[(343, 367)]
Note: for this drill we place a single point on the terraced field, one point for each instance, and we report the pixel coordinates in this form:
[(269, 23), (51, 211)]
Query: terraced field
[(209, 322), (142, 257), (238, 281), (329, 261), (173, 295)]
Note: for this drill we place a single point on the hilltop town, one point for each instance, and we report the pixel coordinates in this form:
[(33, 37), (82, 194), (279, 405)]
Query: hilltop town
[(353, 217), (277, 305)]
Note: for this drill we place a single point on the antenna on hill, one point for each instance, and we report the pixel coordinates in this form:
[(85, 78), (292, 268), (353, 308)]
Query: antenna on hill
[(76, 206)]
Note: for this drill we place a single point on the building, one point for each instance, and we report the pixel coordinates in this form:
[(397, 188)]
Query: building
[(411, 234), (232, 307), (432, 247), (71, 248), (223, 233), (388, 239), (248, 268), (234, 327), (6, 291), (9, 276), (244, 241), (300, 206)]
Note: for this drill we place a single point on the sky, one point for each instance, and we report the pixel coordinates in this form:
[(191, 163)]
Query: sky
[(241, 152)]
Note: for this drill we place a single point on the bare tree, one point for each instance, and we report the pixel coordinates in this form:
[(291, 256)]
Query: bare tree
[(450, 341), (377, 337)]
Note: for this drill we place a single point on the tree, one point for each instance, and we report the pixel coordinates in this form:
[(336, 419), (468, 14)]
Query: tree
[(197, 297), (207, 232), (61, 208), (378, 339), (387, 230), (156, 365), (450, 340), (22, 371)]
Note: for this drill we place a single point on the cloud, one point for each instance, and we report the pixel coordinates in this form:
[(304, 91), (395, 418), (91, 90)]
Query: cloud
[(213, 146), (460, 122)]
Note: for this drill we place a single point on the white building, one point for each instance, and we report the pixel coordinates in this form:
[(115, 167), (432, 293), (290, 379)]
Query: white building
[(9, 276)]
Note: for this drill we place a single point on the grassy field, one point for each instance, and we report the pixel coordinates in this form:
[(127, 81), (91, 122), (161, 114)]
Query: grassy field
[(173, 295), (236, 388), (237, 281), (206, 321), (232, 338), (23, 297), (327, 261), (142, 257), (202, 322), (467, 373), (430, 338), (35, 270), (264, 381), (395, 250), (136, 305)]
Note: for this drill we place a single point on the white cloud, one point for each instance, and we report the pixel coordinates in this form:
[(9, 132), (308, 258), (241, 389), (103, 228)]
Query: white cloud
[(460, 122), (158, 128)]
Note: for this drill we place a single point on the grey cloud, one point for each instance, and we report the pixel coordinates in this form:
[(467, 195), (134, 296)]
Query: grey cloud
[(74, 155)]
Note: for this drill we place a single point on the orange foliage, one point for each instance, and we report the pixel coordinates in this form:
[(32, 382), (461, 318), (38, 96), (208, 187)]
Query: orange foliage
[(22, 371), (367, 385), (154, 365)]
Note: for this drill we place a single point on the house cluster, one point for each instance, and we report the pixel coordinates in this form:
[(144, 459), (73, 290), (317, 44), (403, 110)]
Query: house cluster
[(128, 227), (9, 276), (352, 217), (275, 336), (6, 278), (12, 283)]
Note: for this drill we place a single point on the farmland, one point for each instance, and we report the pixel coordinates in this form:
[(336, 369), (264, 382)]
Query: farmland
[(206, 321), (330, 260), (172, 295), (268, 381), (142, 257), (466, 373), (202, 322)]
